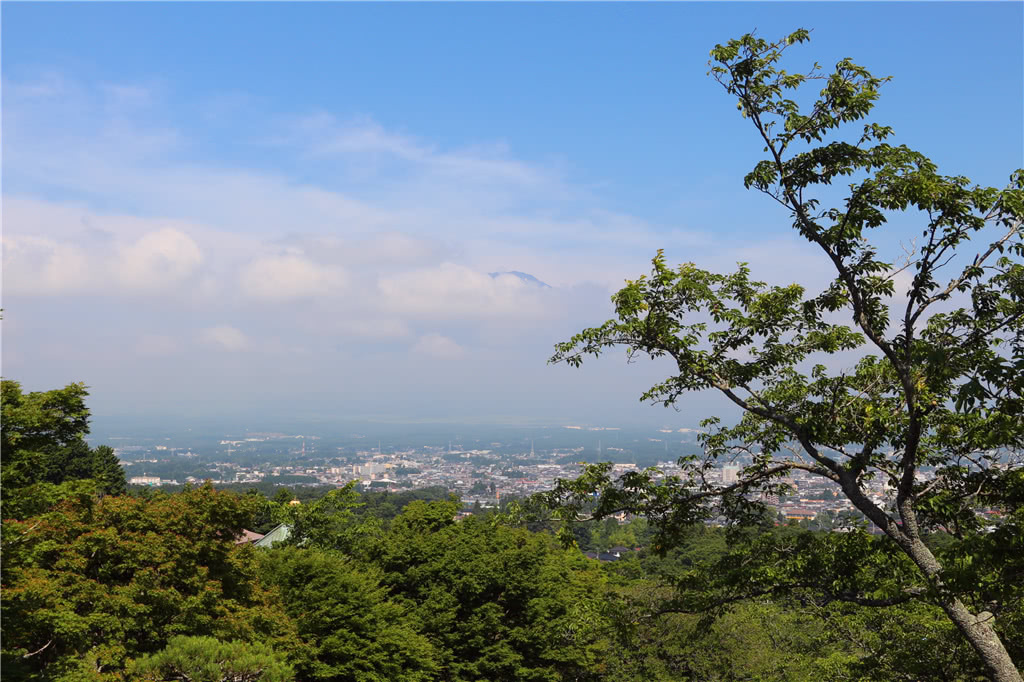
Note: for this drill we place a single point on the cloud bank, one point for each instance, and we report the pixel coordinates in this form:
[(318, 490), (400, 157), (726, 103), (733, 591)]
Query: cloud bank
[(334, 263)]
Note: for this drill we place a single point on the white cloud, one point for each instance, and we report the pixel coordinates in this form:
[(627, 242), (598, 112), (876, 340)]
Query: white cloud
[(902, 281), (396, 248), (323, 135), (158, 259), (437, 346), (452, 290), (326, 136), (42, 265), (281, 278), (384, 249), (423, 205), (225, 337)]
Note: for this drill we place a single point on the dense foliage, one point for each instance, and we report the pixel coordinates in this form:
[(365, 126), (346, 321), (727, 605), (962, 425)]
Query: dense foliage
[(101, 587), (125, 588), (205, 659), (95, 582), (42, 437), (118, 588)]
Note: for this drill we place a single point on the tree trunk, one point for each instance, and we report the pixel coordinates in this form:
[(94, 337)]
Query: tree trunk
[(978, 631)]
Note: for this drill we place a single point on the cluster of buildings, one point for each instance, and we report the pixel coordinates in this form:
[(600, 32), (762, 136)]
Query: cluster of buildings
[(483, 476), (151, 481)]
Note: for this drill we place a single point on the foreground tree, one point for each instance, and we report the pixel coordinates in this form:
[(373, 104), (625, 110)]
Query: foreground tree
[(42, 435), (497, 603), (934, 408), (97, 582), (348, 628), (205, 659)]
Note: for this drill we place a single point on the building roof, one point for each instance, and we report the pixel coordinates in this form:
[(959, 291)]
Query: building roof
[(601, 556), (248, 536), (277, 534)]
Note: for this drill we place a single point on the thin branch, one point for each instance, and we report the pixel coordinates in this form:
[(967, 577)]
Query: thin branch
[(37, 651), (978, 260), (724, 601)]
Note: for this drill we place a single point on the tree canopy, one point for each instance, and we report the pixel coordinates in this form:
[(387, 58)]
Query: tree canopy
[(42, 435), (96, 582), (205, 659), (934, 407)]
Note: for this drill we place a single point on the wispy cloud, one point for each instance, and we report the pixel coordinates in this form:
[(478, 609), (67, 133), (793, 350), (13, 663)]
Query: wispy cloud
[(437, 346), (451, 290), (225, 337), (324, 136), (281, 278)]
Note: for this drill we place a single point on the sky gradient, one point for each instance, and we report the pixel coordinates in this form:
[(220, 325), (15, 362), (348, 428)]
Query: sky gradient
[(293, 209)]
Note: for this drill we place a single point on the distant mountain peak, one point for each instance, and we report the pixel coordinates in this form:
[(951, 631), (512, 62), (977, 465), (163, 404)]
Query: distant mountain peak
[(526, 277)]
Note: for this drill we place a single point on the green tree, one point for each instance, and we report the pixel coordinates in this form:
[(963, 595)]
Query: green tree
[(266, 515), (331, 522), (205, 659), (105, 468), (912, 641), (350, 630), (283, 496), (42, 435), (386, 506), (937, 390), (96, 582), (497, 603)]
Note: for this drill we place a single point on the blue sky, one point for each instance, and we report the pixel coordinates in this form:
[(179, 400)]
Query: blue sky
[(236, 207)]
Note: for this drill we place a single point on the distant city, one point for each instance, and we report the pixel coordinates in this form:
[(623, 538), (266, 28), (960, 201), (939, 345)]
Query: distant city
[(481, 464)]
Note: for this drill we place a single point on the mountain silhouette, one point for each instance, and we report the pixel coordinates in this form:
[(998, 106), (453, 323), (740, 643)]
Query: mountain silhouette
[(526, 277)]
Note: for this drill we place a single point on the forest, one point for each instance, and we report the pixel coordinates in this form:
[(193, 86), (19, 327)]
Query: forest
[(102, 585)]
